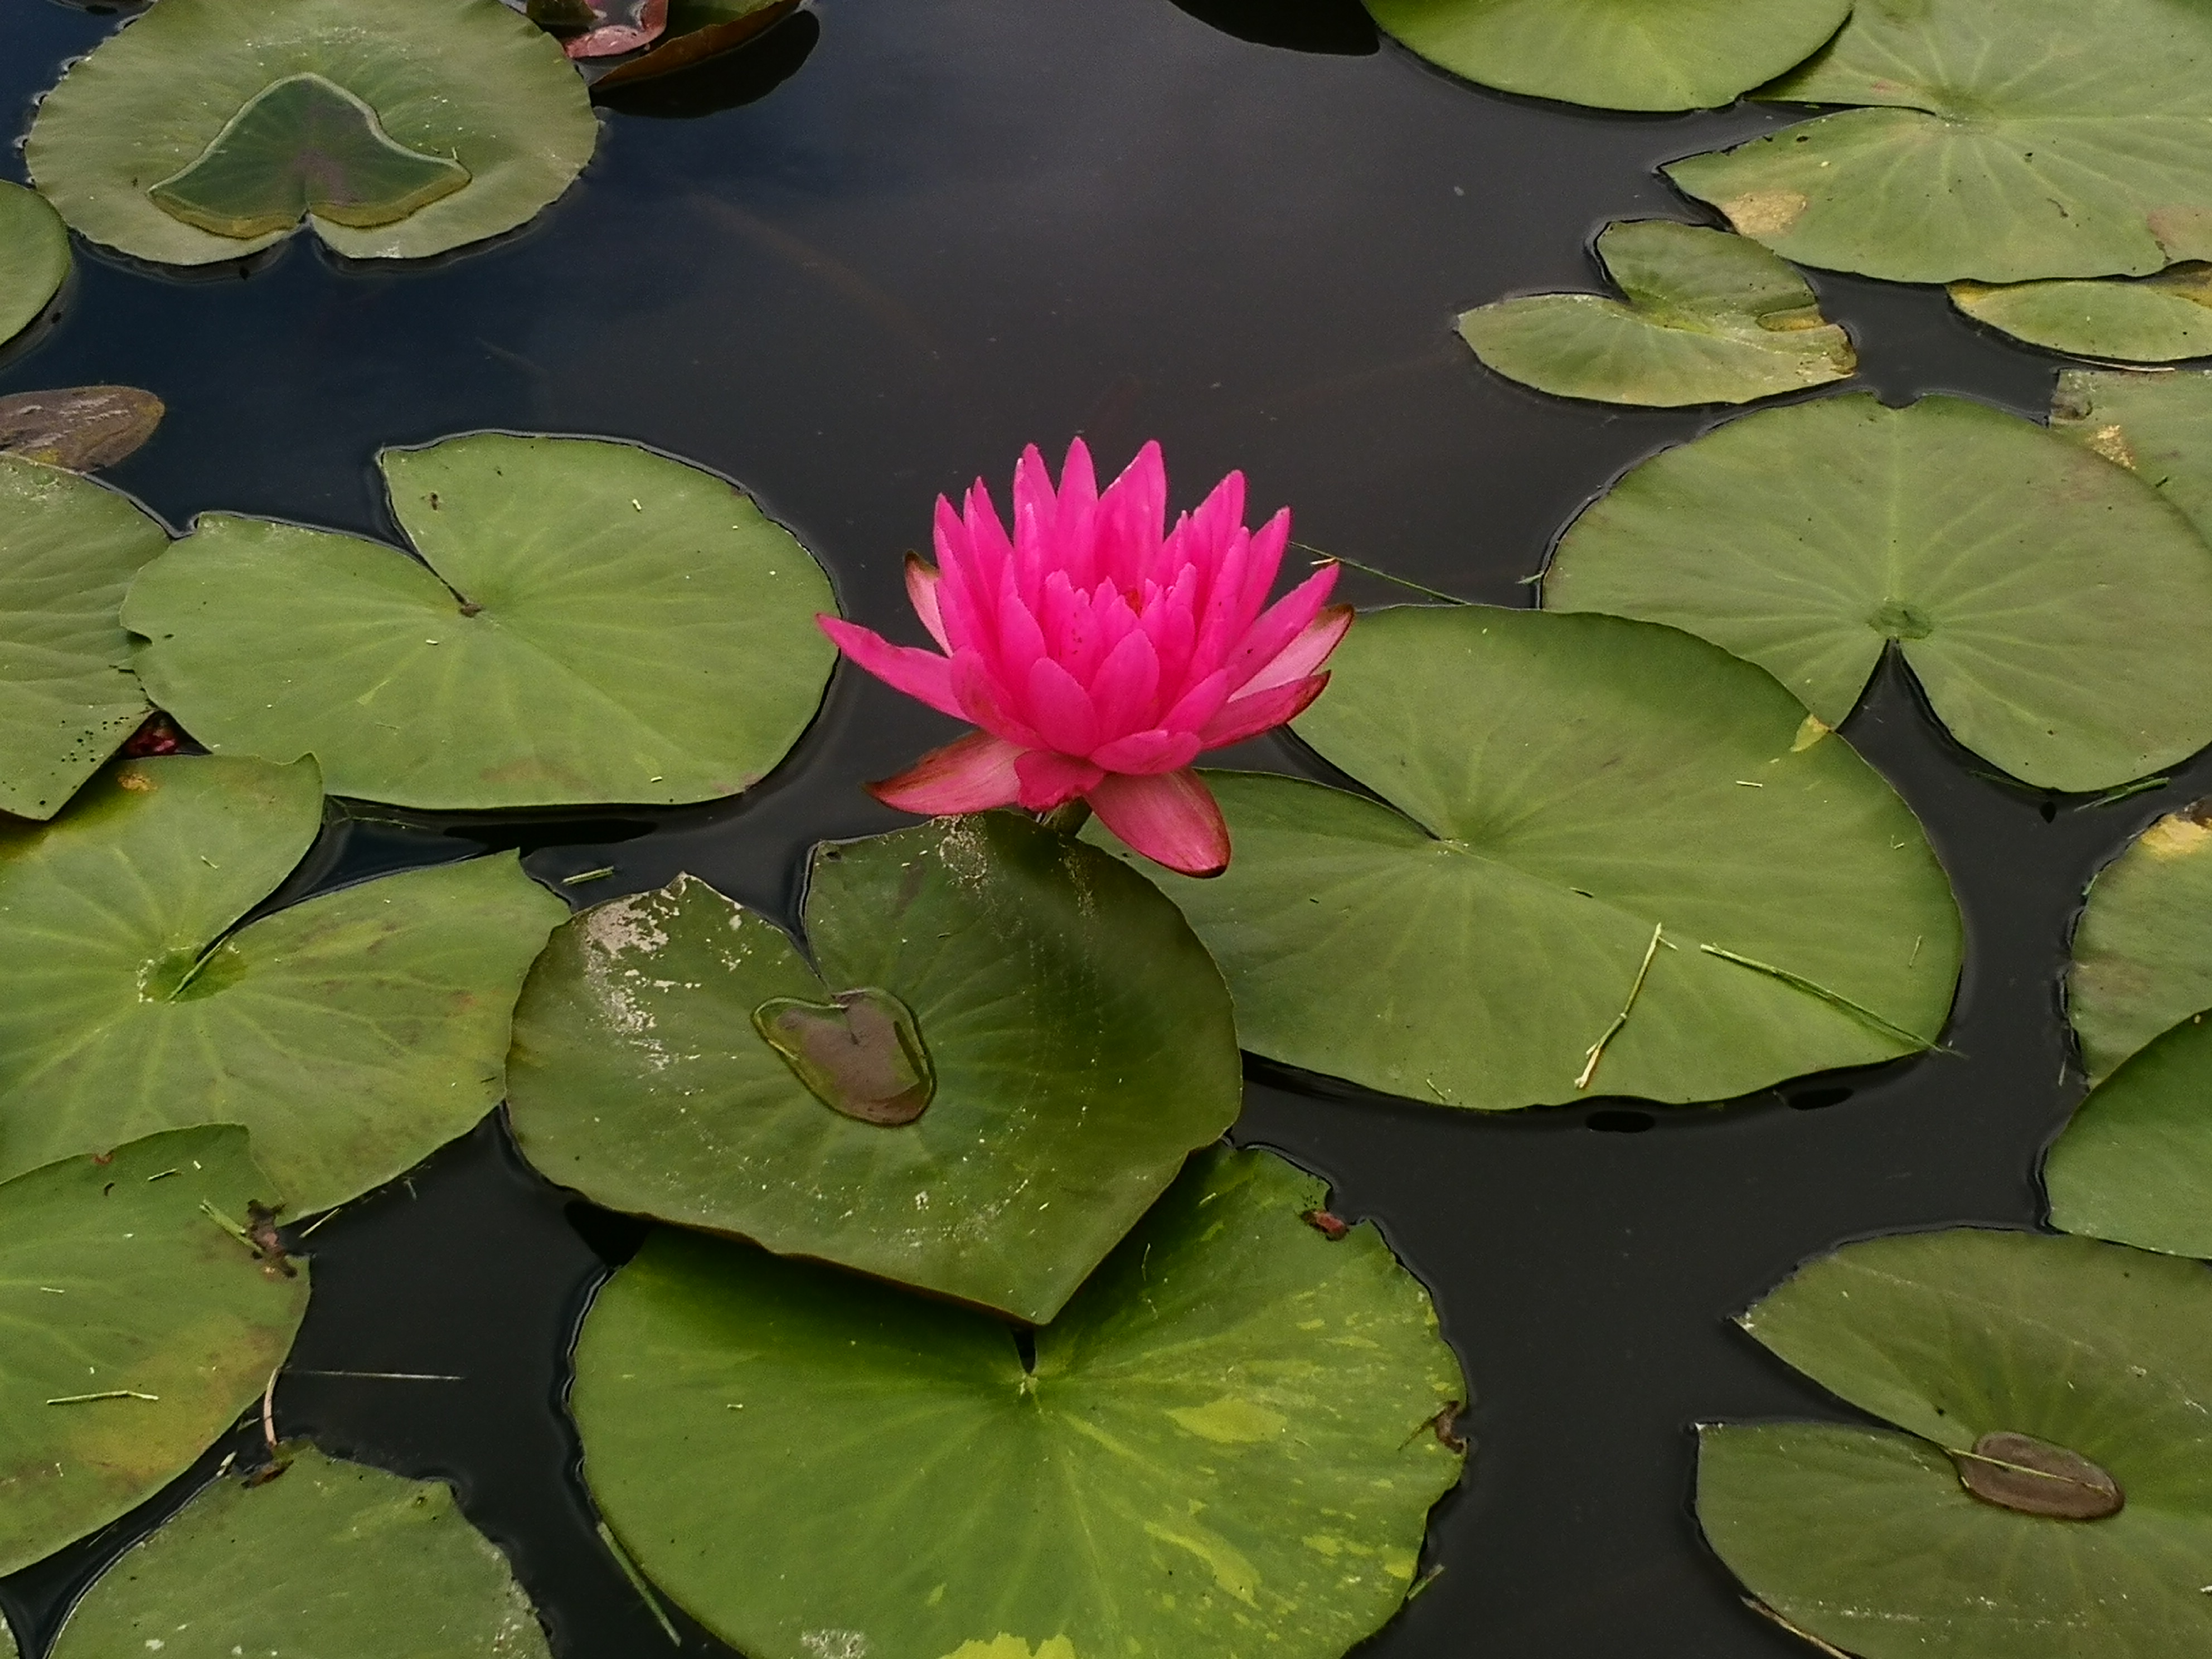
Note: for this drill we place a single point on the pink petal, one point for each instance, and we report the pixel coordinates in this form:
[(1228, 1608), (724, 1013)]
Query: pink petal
[(1048, 780), (1279, 623), (1221, 623), (1264, 559), (1021, 642), (1302, 654), (1155, 750), (967, 776), (1133, 513), (1199, 704), (1171, 818), (907, 668), (1262, 711), (984, 701), (1061, 709), (1123, 688), (921, 584)]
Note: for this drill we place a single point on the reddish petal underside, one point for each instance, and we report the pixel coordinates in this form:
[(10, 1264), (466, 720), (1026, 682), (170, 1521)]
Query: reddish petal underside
[(1171, 818), (1048, 780), (971, 776)]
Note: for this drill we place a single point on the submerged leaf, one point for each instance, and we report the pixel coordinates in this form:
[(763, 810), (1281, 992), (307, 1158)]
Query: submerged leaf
[(1712, 318), (1615, 54), (2143, 950), (2039, 1382), (2135, 1165), (82, 427), (1227, 1443), (2056, 613), (327, 1559), (2001, 143), (676, 1056), (354, 1033), (2149, 319), (34, 258), (696, 31), (1603, 861), (134, 1327)]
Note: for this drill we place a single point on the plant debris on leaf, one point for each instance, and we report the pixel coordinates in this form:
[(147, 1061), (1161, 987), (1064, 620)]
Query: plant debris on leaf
[(1003, 1049), (135, 1326), (1710, 319), (2146, 319), (589, 622), (354, 1033), (1615, 54), (1608, 859), (69, 548), (2143, 950), (326, 1557), (2056, 613), (1984, 149), (1228, 1443), (205, 129), (2135, 1165), (34, 258), (2051, 1491), (82, 427)]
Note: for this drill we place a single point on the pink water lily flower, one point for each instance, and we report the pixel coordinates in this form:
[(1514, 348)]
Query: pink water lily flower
[(1101, 653)]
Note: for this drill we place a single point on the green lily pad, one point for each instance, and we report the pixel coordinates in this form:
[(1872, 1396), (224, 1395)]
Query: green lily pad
[(135, 1326), (1712, 318), (2157, 426), (1227, 1444), (34, 258), (1004, 1049), (1979, 152), (353, 1033), (2143, 950), (2057, 614), (69, 548), (2150, 319), (2007, 1359), (205, 130), (1615, 54), (589, 621), (1581, 817), (2135, 1165), (328, 1559)]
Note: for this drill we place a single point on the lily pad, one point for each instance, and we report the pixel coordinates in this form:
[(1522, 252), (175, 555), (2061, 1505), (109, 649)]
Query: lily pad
[(1710, 319), (353, 1033), (1228, 1445), (1615, 54), (2142, 951), (207, 129), (2150, 319), (696, 31), (69, 548), (1607, 857), (2025, 1372), (34, 258), (134, 1326), (329, 1558), (2135, 1164), (1004, 1049), (589, 622), (82, 427), (2157, 426), (2056, 613), (1980, 151)]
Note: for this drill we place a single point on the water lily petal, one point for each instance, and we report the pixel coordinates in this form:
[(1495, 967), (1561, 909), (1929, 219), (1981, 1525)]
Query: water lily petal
[(1171, 818), (1302, 654), (1061, 709), (1048, 780), (1156, 750), (1124, 686), (919, 673), (1261, 711), (1133, 513), (921, 585), (967, 777), (1280, 624), (1199, 704), (984, 701), (1263, 562)]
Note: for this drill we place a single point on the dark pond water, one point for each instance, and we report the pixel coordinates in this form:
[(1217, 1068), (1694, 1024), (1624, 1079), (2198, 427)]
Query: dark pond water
[(893, 243)]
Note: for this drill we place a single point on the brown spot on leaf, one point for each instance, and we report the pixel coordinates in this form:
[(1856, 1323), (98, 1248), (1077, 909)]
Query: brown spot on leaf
[(1765, 212), (2111, 443), (82, 427), (268, 1243), (2020, 1473), (2183, 231), (1443, 1426), (1331, 1227), (861, 1053), (2179, 834)]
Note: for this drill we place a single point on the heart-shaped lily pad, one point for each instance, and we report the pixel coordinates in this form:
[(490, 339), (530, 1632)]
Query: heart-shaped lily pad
[(1988, 154), (1227, 1444), (34, 258), (135, 1325), (204, 129), (2135, 1164), (1608, 857), (1615, 54), (1710, 319), (327, 1559), (2056, 613), (2143, 950), (1004, 1049), (353, 1033), (2149, 319), (82, 428), (589, 621), (2052, 1492), (69, 548), (2158, 426)]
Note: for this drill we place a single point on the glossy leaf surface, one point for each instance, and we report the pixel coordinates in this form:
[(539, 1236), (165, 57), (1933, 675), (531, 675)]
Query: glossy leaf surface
[(1983, 150), (82, 427), (1556, 790), (1616, 54), (2135, 1165), (329, 1558), (2056, 613), (1869, 1539), (2153, 319), (69, 548), (2142, 949), (1710, 319), (1073, 1044), (134, 1327), (589, 621), (1225, 1444), (200, 132), (353, 1033), (34, 258)]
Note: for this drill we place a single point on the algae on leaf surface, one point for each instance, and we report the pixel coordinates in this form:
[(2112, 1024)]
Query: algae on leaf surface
[(1228, 1442), (34, 258)]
